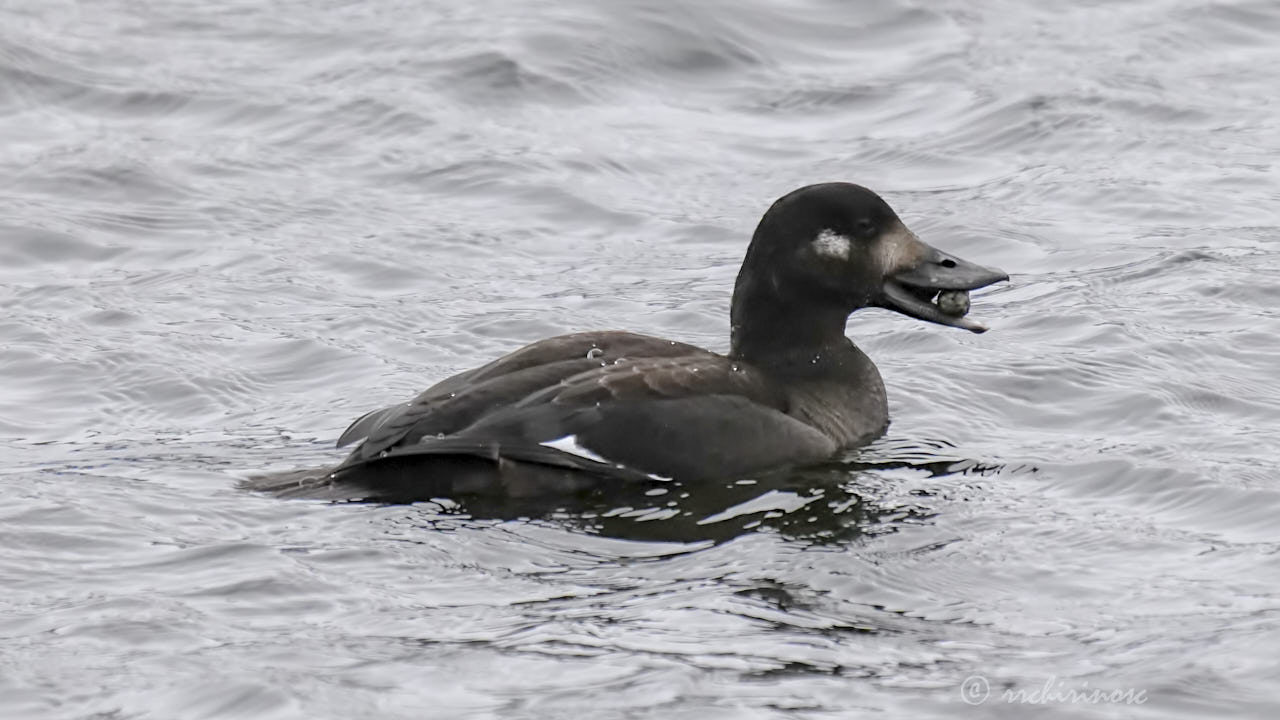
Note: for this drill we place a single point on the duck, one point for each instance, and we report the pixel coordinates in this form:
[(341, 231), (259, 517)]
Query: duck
[(589, 409)]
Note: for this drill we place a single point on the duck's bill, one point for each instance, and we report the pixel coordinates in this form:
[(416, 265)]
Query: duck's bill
[(935, 288)]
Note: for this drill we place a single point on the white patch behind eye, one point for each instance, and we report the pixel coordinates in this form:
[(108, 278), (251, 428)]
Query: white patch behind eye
[(832, 244)]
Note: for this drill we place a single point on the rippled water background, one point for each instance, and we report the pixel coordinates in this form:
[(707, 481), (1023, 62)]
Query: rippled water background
[(227, 229)]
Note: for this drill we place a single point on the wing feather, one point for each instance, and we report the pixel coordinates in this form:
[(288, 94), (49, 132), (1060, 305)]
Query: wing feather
[(456, 402)]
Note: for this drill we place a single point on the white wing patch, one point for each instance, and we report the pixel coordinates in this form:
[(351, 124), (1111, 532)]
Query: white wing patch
[(569, 444), (832, 244)]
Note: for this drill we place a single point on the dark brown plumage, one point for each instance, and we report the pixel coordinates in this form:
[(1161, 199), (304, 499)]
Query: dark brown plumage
[(574, 411)]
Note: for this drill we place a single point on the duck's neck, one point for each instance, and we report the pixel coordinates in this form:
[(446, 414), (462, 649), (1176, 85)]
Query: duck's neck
[(771, 330)]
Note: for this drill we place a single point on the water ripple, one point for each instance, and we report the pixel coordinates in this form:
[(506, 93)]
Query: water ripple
[(229, 228)]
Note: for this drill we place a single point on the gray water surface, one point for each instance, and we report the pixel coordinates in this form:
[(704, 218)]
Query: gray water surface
[(229, 228)]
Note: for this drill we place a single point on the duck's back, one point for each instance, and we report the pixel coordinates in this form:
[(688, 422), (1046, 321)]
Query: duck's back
[(454, 404)]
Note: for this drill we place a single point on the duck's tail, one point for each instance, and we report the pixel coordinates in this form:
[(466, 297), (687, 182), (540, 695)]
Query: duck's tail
[(430, 471)]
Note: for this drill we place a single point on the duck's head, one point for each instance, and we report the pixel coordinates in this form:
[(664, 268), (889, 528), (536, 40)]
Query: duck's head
[(823, 251)]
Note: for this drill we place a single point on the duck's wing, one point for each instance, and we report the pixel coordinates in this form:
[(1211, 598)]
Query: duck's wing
[(693, 417), (458, 401)]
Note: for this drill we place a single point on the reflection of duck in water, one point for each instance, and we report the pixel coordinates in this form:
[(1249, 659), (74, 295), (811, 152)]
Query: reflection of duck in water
[(569, 412)]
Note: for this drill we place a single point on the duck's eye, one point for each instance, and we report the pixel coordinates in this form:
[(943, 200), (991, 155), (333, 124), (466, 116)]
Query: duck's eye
[(864, 227)]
